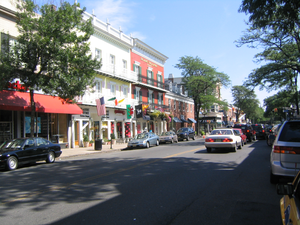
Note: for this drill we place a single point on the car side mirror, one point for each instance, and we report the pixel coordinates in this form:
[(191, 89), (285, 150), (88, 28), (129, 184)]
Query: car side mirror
[(285, 189)]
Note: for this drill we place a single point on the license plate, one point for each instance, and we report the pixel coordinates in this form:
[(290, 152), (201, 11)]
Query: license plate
[(218, 140), (133, 145)]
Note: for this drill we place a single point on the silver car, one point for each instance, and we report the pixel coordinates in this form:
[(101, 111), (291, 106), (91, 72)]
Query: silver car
[(144, 140), (169, 136), (285, 154)]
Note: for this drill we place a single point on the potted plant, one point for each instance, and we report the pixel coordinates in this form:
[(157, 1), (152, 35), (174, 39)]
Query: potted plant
[(105, 141), (85, 141), (91, 143)]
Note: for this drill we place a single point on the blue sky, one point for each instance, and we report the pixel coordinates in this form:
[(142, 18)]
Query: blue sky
[(176, 28)]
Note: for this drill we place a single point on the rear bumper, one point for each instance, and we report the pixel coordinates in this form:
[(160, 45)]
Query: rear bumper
[(220, 145), (278, 170)]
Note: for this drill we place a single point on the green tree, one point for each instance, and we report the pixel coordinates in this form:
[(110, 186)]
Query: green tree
[(245, 100), (283, 14), (275, 27), (277, 103), (202, 82), (51, 53)]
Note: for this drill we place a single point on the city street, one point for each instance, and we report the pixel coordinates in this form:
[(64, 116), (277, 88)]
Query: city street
[(169, 184)]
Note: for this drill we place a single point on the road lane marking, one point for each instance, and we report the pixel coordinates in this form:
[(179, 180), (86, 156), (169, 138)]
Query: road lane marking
[(56, 188)]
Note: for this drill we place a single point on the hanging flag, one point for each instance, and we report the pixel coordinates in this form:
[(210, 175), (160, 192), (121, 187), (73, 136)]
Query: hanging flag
[(121, 100), (111, 99), (116, 102), (101, 109)]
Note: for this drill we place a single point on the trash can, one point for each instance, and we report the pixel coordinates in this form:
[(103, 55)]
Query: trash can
[(98, 144)]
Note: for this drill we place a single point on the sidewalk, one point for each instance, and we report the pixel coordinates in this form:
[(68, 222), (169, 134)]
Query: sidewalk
[(69, 152)]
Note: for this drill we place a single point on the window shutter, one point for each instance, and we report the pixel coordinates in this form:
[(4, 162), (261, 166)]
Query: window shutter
[(152, 97), (141, 96), (133, 67), (134, 93)]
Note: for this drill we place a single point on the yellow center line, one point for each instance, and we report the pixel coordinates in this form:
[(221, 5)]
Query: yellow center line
[(56, 188)]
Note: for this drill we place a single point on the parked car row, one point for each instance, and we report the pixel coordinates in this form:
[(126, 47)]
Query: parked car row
[(145, 140)]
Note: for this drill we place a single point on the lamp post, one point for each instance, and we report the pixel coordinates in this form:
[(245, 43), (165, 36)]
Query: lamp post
[(204, 114)]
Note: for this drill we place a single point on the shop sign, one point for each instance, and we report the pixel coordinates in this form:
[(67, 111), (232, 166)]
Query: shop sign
[(120, 111), (17, 86)]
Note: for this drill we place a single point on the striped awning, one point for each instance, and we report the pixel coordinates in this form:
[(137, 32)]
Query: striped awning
[(192, 120), (176, 120)]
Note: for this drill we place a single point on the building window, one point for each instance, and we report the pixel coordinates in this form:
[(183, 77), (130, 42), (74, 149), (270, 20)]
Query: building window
[(174, 105), (187, 107), (124, 64), (169, 103), (98, 86), (112, 59), (125, 91), (112, 89), (98, 54)]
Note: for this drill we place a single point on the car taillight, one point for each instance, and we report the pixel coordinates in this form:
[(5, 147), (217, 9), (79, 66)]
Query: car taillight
[(263, 131), (248, 131), (286, 150), (227, 140), (209, 140)]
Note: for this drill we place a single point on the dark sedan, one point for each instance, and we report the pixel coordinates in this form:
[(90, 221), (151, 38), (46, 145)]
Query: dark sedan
[(27, 150), (185, 133)]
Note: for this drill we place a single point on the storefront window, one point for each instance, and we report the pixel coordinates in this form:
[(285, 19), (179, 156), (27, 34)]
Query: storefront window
[(59, 128)]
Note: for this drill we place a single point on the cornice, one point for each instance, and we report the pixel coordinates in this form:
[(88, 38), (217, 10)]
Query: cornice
[(144, 47)]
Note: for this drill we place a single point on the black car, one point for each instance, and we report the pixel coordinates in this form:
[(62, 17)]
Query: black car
[(27, 150), (260, 131), (185, 133), (247, 130)]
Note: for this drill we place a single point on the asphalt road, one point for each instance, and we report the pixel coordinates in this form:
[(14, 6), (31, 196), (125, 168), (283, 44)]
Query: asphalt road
[(169, 184)]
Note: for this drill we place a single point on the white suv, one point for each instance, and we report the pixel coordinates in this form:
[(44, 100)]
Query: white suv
[(285, 154)]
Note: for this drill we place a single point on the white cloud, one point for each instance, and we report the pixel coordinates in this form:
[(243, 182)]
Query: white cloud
[(118, 12)]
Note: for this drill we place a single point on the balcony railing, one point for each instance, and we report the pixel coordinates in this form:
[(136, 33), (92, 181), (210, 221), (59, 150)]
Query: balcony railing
[(154, 106), (146, 80)]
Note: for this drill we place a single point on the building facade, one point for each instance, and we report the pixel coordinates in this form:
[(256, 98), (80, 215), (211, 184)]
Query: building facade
[(53, 115)]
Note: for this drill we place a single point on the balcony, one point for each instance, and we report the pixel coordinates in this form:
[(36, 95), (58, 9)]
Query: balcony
[(154, 106), (146, 80)]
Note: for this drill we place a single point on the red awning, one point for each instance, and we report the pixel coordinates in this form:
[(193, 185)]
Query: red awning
[(20, 101)]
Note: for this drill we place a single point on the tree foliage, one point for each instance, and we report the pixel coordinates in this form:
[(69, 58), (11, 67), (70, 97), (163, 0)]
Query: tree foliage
[(246, 102), (275, 27), (202, 82), (277, 103), (51, 53)]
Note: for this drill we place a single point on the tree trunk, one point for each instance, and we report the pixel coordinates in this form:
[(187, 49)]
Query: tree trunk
[(32, 103)]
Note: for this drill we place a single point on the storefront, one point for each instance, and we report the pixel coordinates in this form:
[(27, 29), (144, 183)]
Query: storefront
[(52, 118)]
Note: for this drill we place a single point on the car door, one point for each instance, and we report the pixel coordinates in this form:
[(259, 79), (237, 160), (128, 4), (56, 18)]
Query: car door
[(29, 152), (42, 148)]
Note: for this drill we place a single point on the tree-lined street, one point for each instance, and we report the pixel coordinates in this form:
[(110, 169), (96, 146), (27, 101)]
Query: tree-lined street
[(169, 184)]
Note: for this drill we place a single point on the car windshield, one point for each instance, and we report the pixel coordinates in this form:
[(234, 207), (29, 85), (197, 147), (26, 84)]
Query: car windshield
[(183, 130), (165, 134), (221, 132), (290, 132), (15, 143), (141, 136)]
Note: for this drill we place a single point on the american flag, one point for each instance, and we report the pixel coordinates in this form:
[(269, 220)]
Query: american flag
[(101, 110)]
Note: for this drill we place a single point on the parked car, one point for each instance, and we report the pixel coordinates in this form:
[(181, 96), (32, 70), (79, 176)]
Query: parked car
[(144, 140), (289, 203), (223, 138), (272, 134), (242, 135), (26, 150), (260, 131), (169, 136), (185, 133), (285, 154), (247, 130)]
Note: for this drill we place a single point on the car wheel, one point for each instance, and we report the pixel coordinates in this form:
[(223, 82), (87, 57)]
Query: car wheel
[(208, 150), (50, 157), (194, 138), (234, 148), (147, 145), (187, 138), (273, 178), (240, 146), (157, 143), (12, 163)]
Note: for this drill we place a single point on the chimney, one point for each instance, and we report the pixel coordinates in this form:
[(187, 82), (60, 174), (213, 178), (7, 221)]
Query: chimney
[(171, 77)]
